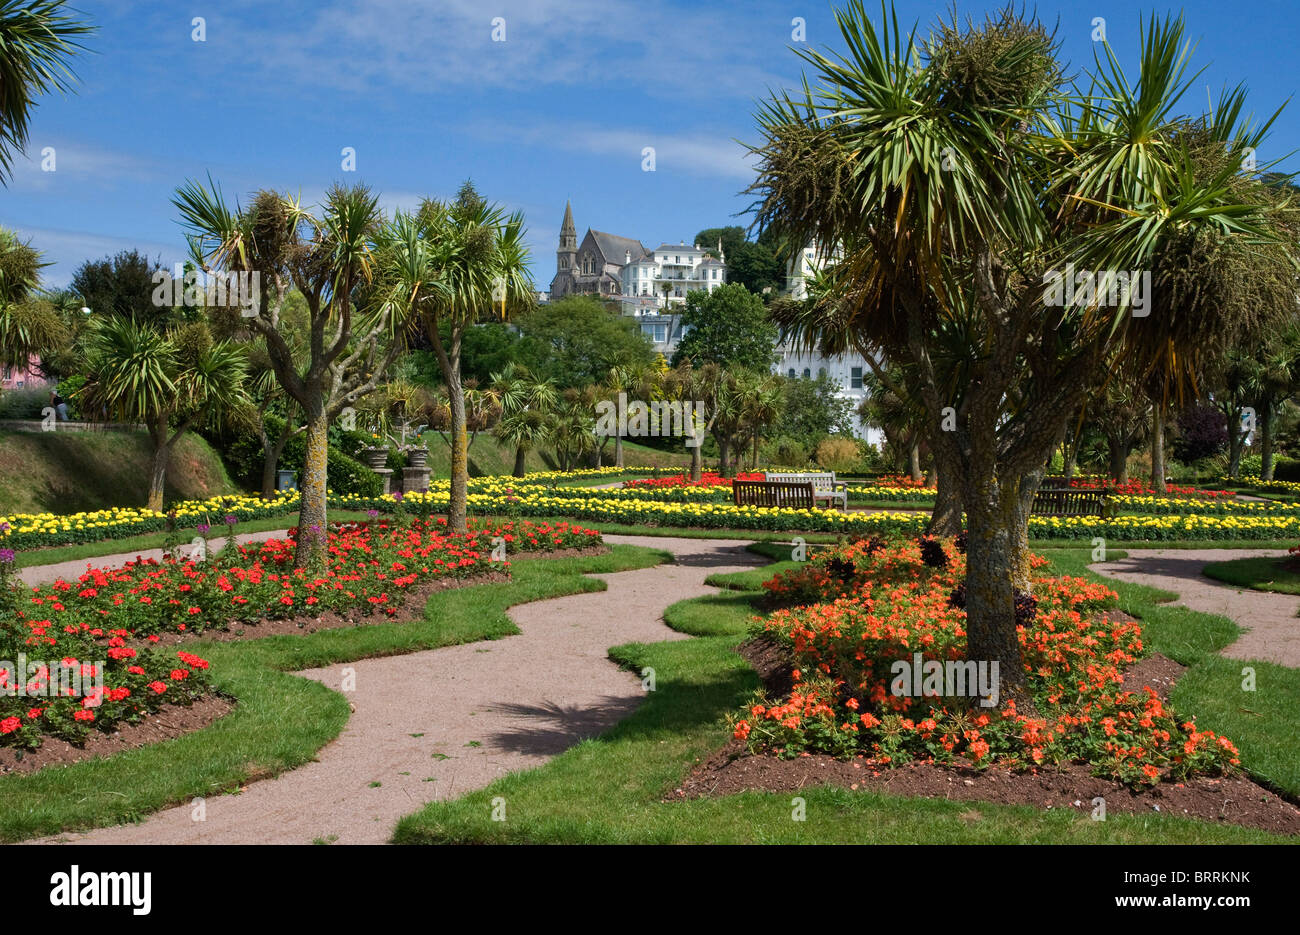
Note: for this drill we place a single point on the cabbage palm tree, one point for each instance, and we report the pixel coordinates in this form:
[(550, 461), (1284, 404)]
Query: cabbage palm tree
[(330, 259), (460, 262), (526, 408), (30, 325), (963, 185), (36, 40), (170, 381)]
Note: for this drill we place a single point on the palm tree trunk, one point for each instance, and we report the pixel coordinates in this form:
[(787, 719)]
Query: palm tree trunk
[(312, 513), (697, 463), (1158, 447), (1118, 458), (158, 466), (914, 458), (458, 507), (449, 361), (520, 455), (947, 515), (618, 451), (991, 570), (1267, 430), (724, 452)]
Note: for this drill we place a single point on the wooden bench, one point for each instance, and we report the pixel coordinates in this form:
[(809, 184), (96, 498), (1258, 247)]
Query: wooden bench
[(1068, 501), (825, 487), (772, 493)]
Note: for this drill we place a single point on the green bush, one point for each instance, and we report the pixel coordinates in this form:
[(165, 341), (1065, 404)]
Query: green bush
[(25, 403), (242, 452), (1287, 469)]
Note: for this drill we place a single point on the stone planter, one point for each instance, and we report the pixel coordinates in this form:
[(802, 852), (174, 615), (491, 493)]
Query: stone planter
[(417, 457), (375, 458)]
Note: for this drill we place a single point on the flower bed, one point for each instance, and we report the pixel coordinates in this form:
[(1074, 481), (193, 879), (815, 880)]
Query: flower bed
[(876, 603), (1140, 488), (38, 530), (112, 616), (369, 568), (64, 682), (707, 479)]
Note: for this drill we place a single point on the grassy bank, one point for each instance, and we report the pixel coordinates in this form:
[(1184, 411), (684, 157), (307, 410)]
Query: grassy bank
[(68, 472)]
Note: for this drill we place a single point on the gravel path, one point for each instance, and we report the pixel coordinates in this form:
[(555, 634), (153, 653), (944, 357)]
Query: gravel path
[(437, 724), (1272, 627)]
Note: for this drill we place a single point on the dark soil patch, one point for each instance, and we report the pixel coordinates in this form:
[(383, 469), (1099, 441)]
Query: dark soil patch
[(1227, 800), (168, 722), (1233, 800)]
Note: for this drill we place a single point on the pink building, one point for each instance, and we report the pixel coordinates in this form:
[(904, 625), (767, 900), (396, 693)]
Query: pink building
[(16, 378)]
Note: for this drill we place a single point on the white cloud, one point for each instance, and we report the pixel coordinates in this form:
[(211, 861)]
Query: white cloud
[(74, 161), (632, 48), (66, 250)]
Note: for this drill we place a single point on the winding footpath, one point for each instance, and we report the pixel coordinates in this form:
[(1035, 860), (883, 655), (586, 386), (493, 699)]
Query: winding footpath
[(1270, 621), (436, 724)]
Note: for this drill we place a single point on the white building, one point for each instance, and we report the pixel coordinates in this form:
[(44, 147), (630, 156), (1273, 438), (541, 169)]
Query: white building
[(848, 370), (669, 271)]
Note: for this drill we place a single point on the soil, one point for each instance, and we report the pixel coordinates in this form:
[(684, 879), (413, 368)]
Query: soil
[(168, 722), (1232, 800)]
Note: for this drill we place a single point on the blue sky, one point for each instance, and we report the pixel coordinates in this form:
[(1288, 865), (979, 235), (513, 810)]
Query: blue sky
[(560, 110)]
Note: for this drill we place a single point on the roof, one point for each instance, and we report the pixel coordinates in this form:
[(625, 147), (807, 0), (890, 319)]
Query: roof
[(615, 248)]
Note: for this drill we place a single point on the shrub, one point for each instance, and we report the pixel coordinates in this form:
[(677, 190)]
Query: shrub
[(838, 454), (1201, 433), (25, 403), (878, 616)]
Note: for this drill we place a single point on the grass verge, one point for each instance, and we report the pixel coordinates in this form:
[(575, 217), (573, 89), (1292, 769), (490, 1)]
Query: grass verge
[(1258, 574)]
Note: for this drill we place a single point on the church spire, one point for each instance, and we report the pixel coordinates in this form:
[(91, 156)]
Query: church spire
[(566, 257), (567, 229)]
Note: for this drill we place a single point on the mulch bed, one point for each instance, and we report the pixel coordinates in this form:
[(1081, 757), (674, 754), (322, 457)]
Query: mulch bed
[(168, 722), (1232, 800)]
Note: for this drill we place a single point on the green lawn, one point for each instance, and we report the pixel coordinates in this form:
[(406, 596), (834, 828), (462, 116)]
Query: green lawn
[(280, 720), (611, 789), (1259, 574)]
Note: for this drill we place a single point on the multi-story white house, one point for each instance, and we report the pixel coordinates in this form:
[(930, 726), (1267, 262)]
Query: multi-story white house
[(848, 370), (669, 271)]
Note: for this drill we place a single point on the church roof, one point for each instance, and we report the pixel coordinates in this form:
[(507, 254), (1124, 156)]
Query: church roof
[(614, 248)]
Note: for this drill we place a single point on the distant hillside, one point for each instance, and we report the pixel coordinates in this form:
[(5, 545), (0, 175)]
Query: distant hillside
[(66, 472)]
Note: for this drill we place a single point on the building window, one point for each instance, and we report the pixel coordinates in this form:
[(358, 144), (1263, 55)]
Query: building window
[(821, 373), (807, 374), (855, 378), (791, 373)]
